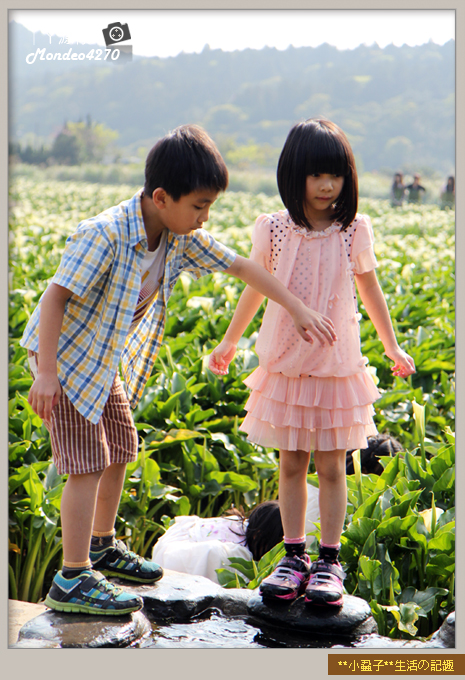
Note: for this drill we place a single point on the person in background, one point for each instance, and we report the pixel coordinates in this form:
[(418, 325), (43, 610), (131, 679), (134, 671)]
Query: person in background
[(415, 189), (201, 545), (379, 445), (397, 190), (448, 193)]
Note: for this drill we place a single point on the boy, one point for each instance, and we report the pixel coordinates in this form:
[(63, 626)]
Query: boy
[(106, 304)]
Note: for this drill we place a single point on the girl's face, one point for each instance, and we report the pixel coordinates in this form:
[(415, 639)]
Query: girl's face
[(322, 190)]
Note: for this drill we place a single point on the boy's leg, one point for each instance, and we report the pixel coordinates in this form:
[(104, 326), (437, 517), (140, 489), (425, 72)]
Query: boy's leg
[(109, 556), (77, 516), (108, 497), (290, 577), (326, 580), (80, 451)]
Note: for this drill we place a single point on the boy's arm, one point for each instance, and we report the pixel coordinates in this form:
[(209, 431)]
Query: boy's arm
[(376, 307), (246, 308), (46, 390), (262, 284)]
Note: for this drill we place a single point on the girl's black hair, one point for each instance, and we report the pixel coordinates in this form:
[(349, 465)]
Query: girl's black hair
[(264, 528), (317, 146), (185, 160)]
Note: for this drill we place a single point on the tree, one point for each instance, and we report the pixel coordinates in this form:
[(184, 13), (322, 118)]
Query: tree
[(81, 142)]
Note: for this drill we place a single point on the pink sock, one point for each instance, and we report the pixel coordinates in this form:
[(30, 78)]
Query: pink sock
[(291, 541)]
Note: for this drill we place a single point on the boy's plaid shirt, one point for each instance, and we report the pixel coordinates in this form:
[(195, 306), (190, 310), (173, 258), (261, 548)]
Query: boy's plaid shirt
[(101, 266)]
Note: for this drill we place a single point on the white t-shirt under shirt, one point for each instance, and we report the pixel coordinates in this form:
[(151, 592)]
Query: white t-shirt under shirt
[(151, 276)]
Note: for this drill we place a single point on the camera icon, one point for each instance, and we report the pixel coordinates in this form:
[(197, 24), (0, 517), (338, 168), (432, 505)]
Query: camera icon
[(116, 33)]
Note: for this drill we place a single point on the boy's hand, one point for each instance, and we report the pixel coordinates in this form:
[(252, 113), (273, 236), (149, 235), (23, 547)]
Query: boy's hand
[(404, 365), (221, 357), (44, 395), (310, 324)]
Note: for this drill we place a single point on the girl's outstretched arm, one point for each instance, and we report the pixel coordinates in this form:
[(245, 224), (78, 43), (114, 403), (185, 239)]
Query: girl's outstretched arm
[(261, 283), (375, 304)]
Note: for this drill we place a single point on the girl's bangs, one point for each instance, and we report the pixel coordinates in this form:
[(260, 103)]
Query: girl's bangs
[(327, 157)]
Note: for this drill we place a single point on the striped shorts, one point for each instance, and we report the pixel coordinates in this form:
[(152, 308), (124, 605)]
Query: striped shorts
[(80, 447)]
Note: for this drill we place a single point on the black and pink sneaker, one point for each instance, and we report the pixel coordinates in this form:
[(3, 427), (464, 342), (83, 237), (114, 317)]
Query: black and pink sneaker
[(325, 584), (288, 580)]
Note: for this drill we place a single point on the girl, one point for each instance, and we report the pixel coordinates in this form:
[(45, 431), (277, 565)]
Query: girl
[(201, 545), (313, 396)]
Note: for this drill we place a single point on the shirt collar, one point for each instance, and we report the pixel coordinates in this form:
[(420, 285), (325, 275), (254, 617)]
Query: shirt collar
[(136, 223)]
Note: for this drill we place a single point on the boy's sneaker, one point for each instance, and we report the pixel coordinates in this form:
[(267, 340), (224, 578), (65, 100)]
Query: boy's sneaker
[(90, 593), (288, 580), (117, 560), (325, 584)]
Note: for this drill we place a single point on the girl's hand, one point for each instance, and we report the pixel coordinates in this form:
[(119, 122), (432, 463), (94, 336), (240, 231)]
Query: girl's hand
[(221, 357), (403, 363), (310, 324), (44, 395)]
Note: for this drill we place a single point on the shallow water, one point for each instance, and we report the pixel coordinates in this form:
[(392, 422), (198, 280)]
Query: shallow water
[(215, 630)]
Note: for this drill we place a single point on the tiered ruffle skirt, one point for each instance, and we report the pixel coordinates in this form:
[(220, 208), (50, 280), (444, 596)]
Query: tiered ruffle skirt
[(310, 413)]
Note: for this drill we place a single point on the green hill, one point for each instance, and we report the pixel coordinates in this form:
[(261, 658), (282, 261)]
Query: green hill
[(396, 104)]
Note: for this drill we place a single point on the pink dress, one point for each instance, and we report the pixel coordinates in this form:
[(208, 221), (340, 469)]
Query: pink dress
[(308, 397)]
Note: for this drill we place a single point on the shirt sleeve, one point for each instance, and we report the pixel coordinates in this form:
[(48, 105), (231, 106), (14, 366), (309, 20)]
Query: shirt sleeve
[(204, 255), (362, 253), (261, 239), (88, 254)]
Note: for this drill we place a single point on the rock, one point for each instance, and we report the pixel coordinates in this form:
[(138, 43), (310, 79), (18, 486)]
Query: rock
[(233, 601), (177, 597), (446, 634), (82, 630), (352, 619), (380, 642), (442, 638)]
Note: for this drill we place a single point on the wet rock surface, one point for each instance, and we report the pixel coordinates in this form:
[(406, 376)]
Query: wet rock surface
[(55, 629), (191, 611), (444, 638), (352, 619)]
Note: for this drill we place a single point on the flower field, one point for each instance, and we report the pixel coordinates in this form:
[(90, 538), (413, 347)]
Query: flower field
[(398, 544)]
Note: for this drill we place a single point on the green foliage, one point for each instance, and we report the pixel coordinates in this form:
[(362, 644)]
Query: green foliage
[(398, 546), (193, 457)]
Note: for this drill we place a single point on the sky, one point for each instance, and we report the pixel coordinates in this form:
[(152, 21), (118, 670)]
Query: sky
[(165, 33)]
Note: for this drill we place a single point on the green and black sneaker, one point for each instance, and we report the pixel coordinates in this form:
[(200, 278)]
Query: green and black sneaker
[(117, 560), (90, 593)]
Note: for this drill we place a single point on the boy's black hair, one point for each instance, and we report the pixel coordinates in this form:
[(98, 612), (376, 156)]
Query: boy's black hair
[(380, 445), (317, 146), (185, 160)]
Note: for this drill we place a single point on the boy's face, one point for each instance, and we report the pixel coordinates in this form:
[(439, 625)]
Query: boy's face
[(189, 212)]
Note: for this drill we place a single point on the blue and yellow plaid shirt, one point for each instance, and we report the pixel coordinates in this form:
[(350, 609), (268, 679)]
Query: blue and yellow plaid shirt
[(101, 266)]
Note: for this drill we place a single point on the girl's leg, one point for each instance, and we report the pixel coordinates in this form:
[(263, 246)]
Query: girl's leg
[(291, 575), (325, 586), (77, 515), (331, 469), (293, 468)]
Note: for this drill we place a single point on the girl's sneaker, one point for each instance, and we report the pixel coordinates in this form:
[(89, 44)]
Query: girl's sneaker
[(90, 593), (325, 584), (117, 560), (288, 580)]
